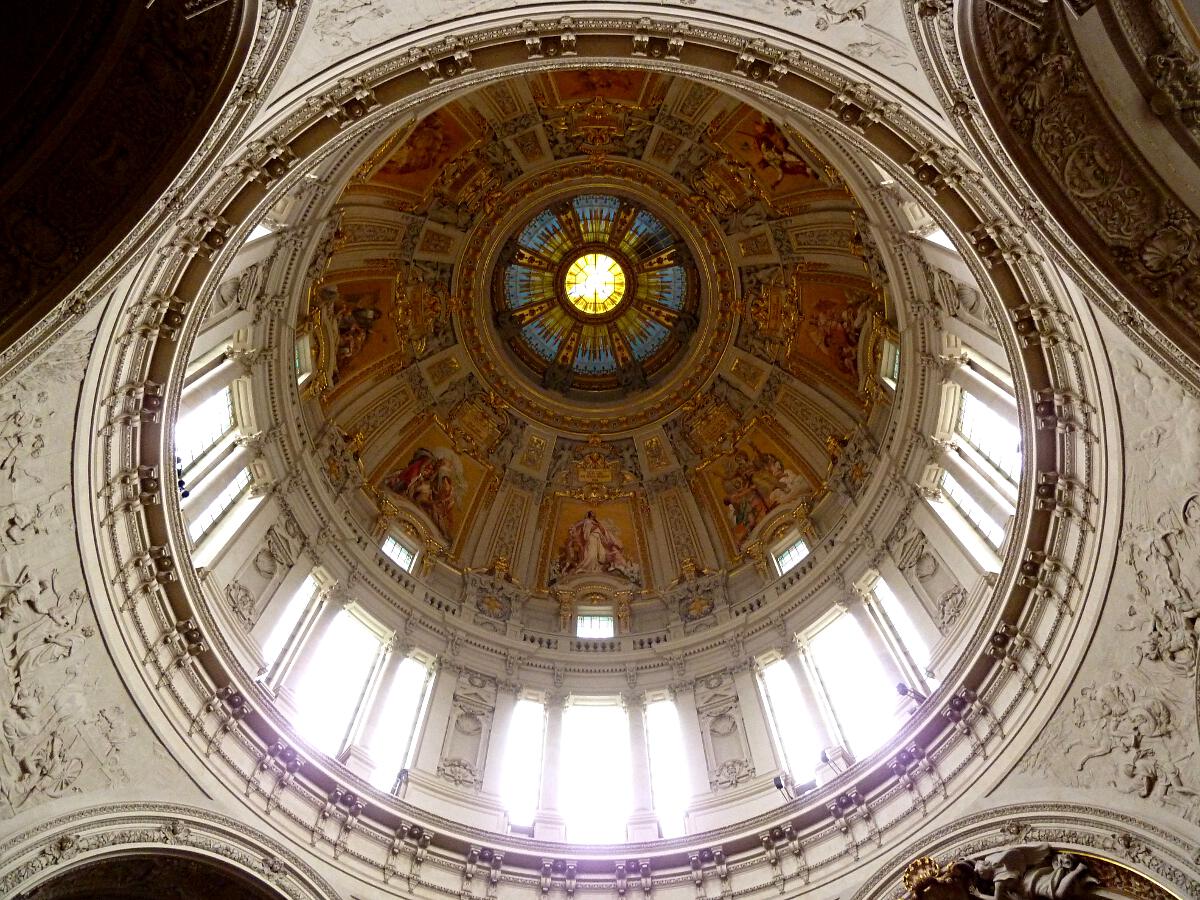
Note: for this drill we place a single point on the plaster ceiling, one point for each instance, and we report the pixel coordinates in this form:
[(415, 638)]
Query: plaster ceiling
[(867, 36)]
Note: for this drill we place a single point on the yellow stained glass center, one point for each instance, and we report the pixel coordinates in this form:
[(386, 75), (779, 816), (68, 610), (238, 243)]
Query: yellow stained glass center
[(595, 284)]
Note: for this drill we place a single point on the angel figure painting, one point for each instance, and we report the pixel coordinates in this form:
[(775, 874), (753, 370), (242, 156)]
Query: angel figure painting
[(593, 546), (434, 482), (754, 482)]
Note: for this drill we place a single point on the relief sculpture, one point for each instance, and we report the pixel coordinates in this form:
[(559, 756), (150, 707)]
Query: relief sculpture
[(1131, 727)]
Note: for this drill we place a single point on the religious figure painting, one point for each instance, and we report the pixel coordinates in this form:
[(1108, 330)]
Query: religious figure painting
[(586, 84), (360, 313), (433, 481), (436, 479), (418, 161), (596, 540), (778, 165), (832, 322), (757, 477)]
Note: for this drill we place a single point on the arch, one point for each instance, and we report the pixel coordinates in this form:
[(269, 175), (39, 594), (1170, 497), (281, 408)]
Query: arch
[(75, 855)]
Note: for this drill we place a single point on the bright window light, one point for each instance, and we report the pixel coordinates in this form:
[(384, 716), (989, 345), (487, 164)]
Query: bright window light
[(331, 685), (237, 486), (906, 630), (393, 744), (289, 619), (863, 698), (889, 369), (594, 791), (594, 626), (939, 237), (791, 556), (996, 439), (962, 500), (399, 554), (200, 430), (789, 716), (302, 350), (668, 776), (258, 231), (522, 766)]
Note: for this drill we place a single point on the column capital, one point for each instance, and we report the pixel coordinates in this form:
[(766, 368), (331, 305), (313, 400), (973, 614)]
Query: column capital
[(685, 686), (633, 699), (398, 645)]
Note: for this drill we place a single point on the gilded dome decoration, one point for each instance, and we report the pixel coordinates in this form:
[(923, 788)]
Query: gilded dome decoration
[(594, 293)]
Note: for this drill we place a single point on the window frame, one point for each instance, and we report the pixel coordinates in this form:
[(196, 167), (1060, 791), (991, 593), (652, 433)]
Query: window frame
[(413, 555), (781, 551), (597, 615)]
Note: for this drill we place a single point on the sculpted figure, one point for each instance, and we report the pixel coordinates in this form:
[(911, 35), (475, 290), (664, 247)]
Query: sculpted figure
[(1033, 872)]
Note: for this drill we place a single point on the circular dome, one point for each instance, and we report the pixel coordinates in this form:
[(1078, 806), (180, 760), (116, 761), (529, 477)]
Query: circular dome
[(594, 293), (574, 543)]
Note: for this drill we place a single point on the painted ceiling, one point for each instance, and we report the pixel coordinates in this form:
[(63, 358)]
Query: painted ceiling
[(721, 355)]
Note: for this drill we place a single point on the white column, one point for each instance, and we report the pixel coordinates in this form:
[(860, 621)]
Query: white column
[(643, 824), (203, 493), (813, 709), (273, 610), (693, 742), (210, 384), (907, 594), (493, 763), (758, 736), (437, 720), (857, 607), (985, 390), (548, 824)]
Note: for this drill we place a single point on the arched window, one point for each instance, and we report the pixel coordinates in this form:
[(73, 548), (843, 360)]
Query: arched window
[(200, 430), (235, 488), (404, 704), (401, 554), (794, 735), (595, 625), (861, 695), (289, 619), (790, 556), (523, 760), (595, 770), (330, 689)]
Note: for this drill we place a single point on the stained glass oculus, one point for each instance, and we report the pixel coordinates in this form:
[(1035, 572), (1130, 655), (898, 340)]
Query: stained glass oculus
[(595, 284), (595, 294)]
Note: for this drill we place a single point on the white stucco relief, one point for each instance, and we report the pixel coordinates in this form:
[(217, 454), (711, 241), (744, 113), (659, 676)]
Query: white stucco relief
[(1128, 728), (872, 33), (67, 726)]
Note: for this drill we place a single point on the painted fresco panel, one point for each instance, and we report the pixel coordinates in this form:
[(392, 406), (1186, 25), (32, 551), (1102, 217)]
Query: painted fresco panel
[(435, 479), (595, 539), (365, 330), (761, 474)]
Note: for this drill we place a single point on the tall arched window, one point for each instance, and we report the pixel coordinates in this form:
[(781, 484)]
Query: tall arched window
[(523, 760), (595, 770), (862, 697), (404, 703), (330, 690), (799, 746)]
